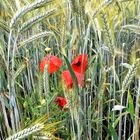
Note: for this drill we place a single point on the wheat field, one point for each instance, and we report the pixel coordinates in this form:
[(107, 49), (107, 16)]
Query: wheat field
[(70, 69)]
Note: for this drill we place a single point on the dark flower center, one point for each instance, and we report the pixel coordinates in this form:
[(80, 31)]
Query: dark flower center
[(78, 63), (58, 101)]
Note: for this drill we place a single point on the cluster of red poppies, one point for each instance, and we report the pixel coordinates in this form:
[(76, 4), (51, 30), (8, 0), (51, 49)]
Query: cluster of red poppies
[(79, 65)]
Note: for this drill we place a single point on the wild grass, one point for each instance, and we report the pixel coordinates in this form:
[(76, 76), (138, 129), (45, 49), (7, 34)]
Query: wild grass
[(107, 107)]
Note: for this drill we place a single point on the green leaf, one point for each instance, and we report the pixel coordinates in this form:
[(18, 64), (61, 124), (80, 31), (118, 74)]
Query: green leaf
[(72, 74), (115, 123), (111, 131), (130, 106), (92, 61)]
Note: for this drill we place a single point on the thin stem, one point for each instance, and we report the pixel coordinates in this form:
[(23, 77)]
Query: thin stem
[(13, 101), (73, 128), (8, 79), (136, 127), (120, 122)]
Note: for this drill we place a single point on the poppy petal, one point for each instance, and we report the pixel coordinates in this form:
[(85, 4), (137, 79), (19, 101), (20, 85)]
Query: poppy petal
[(67, 79), (79, 64), (61, 102), (56, 61), (52, 68), (42, 64), (53, 63)]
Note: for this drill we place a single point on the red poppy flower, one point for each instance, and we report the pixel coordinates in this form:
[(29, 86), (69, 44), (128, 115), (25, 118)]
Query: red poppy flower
[(79, 64), (53, 63), (61, 102), (68, 79)]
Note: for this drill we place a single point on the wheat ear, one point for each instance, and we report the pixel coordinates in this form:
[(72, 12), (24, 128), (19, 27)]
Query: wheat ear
[(100, 8), (108, 34), (36, 19), (46, 86), (19, 70), (26, 9), (34, 37), (130, 75), (46, 81), (26, 132)]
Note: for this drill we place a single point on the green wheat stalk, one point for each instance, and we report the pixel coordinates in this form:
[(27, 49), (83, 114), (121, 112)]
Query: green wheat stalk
[(40, 85), (3, 109), (108, 34), (26, 132), (73, 6), (81, 8), (36, 19), (135, 28), (26, 9), (100, 97), (128, 79), (63, 32), (100, 8), (46, 81), (130, 75), (46, 86), (19, 70), (136, 128), (4, 26), (34, 37)]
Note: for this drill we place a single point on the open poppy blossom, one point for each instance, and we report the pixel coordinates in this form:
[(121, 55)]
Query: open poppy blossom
[(61, 102), (79, 64), (66, 76), (53, 63)]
